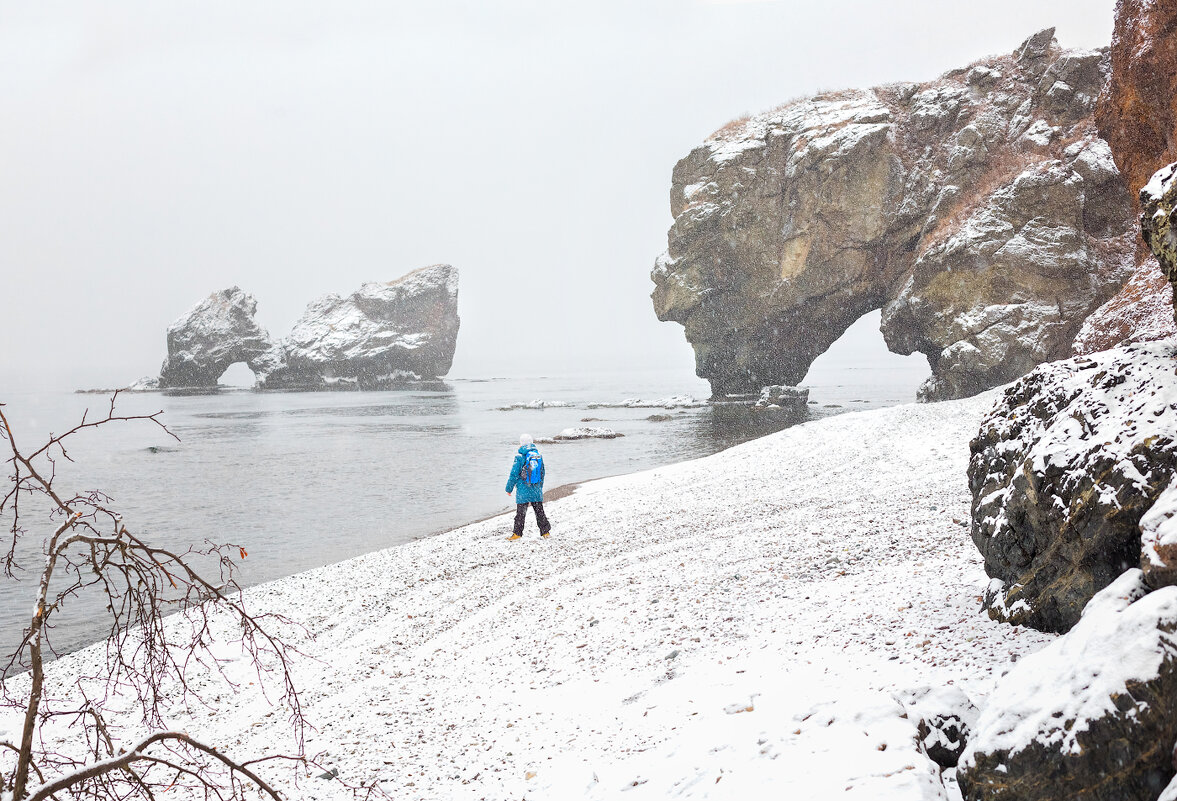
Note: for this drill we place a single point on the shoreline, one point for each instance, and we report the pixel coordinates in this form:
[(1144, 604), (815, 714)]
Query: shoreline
[(681, 616), (562, 491)]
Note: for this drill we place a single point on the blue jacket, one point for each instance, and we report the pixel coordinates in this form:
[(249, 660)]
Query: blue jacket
[(524, 492)]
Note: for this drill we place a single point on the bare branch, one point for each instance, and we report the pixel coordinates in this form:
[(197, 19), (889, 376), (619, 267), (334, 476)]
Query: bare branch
[(148, 657)]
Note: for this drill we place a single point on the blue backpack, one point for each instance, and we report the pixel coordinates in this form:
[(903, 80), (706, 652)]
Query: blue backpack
[(532, 471)]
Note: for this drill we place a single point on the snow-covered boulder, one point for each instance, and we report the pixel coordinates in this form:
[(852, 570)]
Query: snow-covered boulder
[(981, 211), (1061, 473), (779, 396), (379, 336), (215, 333), (1093, 715), (1158, 199), (944, 719), (1158, 539)]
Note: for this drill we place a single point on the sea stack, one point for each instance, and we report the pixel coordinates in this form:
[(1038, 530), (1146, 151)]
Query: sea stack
[(215, 333), (383, 335)]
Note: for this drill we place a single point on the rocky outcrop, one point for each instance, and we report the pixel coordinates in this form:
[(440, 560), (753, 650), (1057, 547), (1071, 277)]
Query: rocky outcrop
[(379, 336), (945, 718), (1061, 473), (1137, 111), (981, 211), (1140, 312), (1137, 115), (1158, 199), (215, 333), (383, 335), (1092, 716), (794, 400)]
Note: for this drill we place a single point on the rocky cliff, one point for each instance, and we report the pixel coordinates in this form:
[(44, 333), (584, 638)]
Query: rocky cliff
[(381, 335), (980, 210), (1137, 115), (215, 333)]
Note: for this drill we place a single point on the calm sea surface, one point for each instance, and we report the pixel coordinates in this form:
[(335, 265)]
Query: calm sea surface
[(306, 479)]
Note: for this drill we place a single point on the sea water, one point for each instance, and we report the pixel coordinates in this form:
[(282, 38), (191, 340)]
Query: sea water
[(306, 479)]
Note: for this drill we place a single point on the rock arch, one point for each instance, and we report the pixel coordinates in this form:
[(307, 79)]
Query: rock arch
[(981, 211), (215, 333)]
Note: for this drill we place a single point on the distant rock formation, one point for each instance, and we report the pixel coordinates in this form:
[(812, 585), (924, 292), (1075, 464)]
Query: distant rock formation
[(981, 211), (215, 333), (1061, 473), (1137, 115), (380, 336), (1090, 717)]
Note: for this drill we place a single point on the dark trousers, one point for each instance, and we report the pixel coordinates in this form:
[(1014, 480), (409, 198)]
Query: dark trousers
[(540, 517)]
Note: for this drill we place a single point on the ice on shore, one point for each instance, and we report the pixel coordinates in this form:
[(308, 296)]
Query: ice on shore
[(672, 402), (536, 404)]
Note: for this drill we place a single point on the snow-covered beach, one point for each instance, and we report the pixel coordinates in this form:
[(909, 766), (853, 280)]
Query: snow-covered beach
[(729, 627)]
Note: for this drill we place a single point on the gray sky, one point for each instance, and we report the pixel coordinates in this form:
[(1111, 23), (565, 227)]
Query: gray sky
[(155, 152)]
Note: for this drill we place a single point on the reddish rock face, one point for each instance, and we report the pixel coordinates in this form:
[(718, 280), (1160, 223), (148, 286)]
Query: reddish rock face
[(1137, 115), (1137, 111)]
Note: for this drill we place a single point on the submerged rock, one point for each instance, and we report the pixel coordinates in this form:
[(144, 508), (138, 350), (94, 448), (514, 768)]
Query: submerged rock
[(1090, 717), (1061, 473), (379, 336), (217, 332), (981, 211)]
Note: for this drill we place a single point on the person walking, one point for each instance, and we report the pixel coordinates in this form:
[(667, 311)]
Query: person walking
[(527, 480)]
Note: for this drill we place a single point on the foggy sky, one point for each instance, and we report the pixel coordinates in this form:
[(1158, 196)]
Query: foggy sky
[(152, 153)]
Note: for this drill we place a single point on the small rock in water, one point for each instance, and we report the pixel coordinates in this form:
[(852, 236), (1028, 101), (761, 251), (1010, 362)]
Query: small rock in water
[(570, 434)]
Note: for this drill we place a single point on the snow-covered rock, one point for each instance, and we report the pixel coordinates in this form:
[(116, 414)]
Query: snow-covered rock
[(1062, 471), (1158, 200), (779, 396), (381, 335), (536, 404), (586, 432), (1158, 539), (945, 717), (215, 333), (1090, 717), (1142, 311), (981, 211), (148, 383), (672, 402)]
